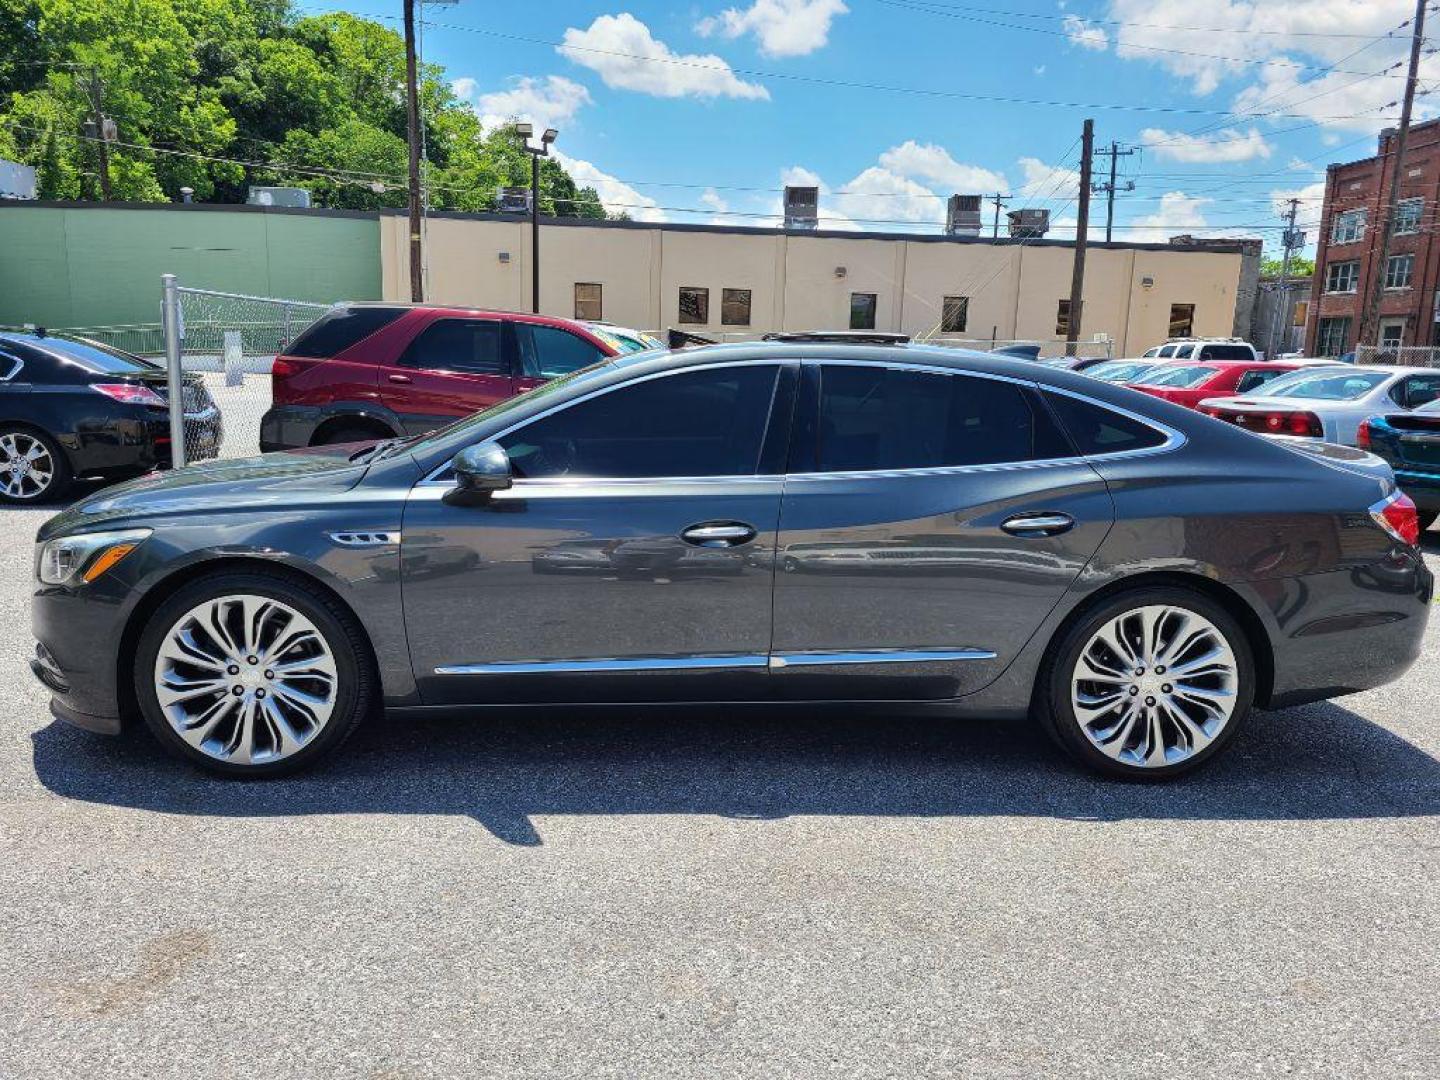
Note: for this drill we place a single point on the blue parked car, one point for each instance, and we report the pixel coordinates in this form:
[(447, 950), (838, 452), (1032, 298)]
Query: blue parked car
[(1410, 442)]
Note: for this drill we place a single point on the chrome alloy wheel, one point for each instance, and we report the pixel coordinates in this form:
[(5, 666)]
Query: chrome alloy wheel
[(26, 467), (1154, 686), (246, 679)]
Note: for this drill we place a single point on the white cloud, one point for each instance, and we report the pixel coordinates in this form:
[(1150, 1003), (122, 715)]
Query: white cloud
[(1220, 147), (782, 27), (1038, 70), (615, 195), (926, 161), (1177, 213), (1045, 182), (548, 102), (711, 198), (1084, 34), (621, 49)]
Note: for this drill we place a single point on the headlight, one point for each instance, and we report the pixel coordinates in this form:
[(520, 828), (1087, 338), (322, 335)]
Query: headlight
[(85, 555)]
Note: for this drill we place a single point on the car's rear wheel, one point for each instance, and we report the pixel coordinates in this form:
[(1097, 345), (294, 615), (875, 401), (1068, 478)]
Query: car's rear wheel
[(32, 467), (1149, 684), (253, 674), (1427, 518)]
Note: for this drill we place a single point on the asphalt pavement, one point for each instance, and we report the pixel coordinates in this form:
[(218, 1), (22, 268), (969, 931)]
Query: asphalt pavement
[(706, 893)]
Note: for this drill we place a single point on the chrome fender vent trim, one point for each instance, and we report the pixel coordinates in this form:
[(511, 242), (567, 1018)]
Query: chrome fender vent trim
[(366, 538)]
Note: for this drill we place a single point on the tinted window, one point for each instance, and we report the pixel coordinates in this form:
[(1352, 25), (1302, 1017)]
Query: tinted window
[(1166, 351), (92, 358), (1226, 352), (700, 423), (553, 352), (1179, 377), (1418, 390), (341, 328), (1095, 429), (1184, 352), (474, 346), (1251, 379), (883, 418)]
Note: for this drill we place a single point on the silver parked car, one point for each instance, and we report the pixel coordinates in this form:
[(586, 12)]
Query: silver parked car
[(1328, 402)]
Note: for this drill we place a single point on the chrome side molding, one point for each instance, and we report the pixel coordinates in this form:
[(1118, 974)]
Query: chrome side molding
[(699, 663), (877, 656)]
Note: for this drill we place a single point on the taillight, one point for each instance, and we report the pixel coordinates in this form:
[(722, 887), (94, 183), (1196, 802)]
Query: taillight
[(283, 369), (1362, 435), (1398, 517), (1293, 423), (129, 393)]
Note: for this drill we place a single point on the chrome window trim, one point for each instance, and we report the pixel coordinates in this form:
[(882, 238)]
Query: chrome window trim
[(608, 663), (1174, 439), (815, 657), (15, 370)]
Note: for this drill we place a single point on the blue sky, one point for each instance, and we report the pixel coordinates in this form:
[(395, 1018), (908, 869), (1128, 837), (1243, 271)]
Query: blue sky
[(702, 111)]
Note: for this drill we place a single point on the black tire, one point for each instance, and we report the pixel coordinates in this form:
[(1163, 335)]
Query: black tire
[(61, 478), (1056, 711), (1427, 518), (348, 433), (357, 683)]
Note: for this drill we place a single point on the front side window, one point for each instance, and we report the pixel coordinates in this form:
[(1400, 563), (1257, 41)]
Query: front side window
[(709, 422), (1347, 227), (874, 418), (1342, 277), (954, 314), (1184, 352), (862, 310), (1166, 351), (1398, 271), (1333, 336), (547, 352), (1407, 216), (735, 307), (588, 295), (471, 346), (694, 305), (1182, 320)]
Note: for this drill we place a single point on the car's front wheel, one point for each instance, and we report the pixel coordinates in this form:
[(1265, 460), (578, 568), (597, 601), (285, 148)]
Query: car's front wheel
[(253, 674), (1149, 684)]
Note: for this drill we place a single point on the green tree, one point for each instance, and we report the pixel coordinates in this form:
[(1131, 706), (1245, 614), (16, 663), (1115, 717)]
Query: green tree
[(1300, 266)]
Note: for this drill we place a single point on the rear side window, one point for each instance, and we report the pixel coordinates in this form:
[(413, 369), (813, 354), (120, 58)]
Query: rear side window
[(339, 329), (547, 352), (1251, 379), (874, 418), (1097, 430), (471, 346), (1226, 352), (1417, 390)]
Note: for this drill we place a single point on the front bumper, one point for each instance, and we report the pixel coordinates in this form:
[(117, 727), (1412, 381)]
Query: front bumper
[(77, 636)]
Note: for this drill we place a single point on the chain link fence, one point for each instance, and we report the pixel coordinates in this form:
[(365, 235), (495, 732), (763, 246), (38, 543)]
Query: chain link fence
[(220, 347), (1407, 355)]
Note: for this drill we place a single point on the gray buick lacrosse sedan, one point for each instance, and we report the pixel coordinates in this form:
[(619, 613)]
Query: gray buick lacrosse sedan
[(811, 520)]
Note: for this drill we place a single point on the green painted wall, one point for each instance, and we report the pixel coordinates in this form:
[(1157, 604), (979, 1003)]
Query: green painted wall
[(86, 265)]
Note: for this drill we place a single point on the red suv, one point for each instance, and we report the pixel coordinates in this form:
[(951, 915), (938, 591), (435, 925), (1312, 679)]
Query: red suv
[(376, 370)]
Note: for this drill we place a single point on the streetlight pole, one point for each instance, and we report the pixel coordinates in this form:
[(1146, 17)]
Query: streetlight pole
[(536, 153)]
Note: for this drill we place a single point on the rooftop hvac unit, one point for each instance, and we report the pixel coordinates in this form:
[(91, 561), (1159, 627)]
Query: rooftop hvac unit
[(962, 215), (278, 196), (1029, 224), (802, 207), (513, 200)]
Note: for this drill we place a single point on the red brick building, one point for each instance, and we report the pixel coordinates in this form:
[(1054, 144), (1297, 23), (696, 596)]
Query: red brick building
[(1347, 248)]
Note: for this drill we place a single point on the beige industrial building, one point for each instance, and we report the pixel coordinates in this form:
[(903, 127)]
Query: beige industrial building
[(741, 282)]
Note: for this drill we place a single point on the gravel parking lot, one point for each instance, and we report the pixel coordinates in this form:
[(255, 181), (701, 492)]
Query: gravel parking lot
[(713, 894)]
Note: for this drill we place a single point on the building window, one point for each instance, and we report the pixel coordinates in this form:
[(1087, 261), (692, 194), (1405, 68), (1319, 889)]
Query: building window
[(862, 310), (735, 307), (1347, 227), (1392, 333), (587, 301), (1342, 277), (1182, 320), (1062, 319), (1407, 216), (694, 305), (1333, 336), (954, 313), (1398, 271)]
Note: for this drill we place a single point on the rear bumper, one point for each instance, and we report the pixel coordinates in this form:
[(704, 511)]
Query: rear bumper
[(1422, 487)]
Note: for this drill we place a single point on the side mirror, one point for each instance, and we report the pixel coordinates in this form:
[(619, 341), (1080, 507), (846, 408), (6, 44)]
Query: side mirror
[(480, 471)]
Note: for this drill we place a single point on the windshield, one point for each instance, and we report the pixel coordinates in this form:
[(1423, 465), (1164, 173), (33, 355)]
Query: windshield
[(1118, 372), (624, 340), (1179, 376), (1329, 385), (94, 357), (544, 390)]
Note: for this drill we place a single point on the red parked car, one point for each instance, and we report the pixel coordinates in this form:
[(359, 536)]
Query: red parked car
[(378, 370), (1189, 384)]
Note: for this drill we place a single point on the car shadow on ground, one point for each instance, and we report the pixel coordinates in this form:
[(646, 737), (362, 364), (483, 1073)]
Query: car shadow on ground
[(502, 769)]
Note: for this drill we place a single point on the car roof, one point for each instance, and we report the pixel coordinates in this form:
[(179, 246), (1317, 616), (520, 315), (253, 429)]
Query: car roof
[(468, 309)]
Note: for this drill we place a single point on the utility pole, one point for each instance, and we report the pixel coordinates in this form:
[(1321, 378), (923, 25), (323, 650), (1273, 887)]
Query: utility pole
[(1082, 231), (412, 138), (1368, 328), (1293, 240), (1114, 153), (101, 129), (1000, 201)]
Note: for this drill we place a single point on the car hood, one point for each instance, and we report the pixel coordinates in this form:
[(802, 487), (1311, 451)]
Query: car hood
[(270, 480)]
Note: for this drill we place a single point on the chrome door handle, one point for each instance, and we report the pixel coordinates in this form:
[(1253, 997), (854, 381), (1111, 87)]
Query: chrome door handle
[(399, 378), (1032, 525), (719, 534)]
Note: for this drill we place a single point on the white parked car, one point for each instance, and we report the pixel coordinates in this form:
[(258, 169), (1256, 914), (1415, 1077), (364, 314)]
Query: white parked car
[(1328, 402), (1205, 349)]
